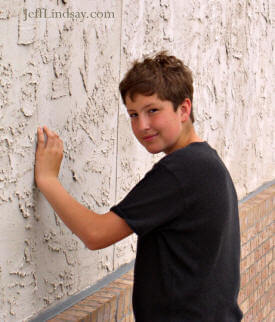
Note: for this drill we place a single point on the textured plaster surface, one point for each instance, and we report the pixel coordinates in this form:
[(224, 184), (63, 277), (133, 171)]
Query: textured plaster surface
[(64, 73)]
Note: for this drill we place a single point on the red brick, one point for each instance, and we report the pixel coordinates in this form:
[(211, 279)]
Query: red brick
[(268, 282), (251, 232), (126, 282), (128, 278), (92, 303), (261, 237), (111, 290), (129, 275), (270, 190), (106, 312), (244, 278), (132, 318), (113, 309), (258, 253), (264, 273), (106, 294), (251, 299), (243, 213), (243, 265), (259, 316), (266, 310), (120, 285), (248, 317), (98, 315), (252, 217), (259, 227), (267, 197), (262, 263), (252, 271), (71, 315), (245, 306), (58, 319), (128, 300), (260, 291), (254, 243), (270, 317), (84, 308), (121, 307), (242, 295), (266, 246), (246, 248), (268, 231), (244, 236), (257, 280), (257, 308)]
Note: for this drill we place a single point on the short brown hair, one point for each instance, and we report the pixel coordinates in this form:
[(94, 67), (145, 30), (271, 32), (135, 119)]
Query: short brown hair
[(163, 75)]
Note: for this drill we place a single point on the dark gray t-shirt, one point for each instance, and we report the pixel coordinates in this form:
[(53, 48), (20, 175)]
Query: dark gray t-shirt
[(185, 213)]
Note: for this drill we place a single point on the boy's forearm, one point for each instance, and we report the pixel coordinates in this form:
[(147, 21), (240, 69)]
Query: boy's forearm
[(79, 219)]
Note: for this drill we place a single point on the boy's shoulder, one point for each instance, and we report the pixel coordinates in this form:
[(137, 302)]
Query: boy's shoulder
[(195, 161), (194, 152)]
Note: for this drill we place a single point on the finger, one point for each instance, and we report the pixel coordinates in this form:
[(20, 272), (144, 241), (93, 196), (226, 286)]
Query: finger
[(57, 140), (61, 147), (40, 138), (50, 135), (47, 131)]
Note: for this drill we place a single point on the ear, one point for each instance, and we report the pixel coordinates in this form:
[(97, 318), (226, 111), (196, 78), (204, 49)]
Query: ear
[(185, 109)]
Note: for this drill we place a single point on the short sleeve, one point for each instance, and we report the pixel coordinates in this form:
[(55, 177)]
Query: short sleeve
[(153, 202)]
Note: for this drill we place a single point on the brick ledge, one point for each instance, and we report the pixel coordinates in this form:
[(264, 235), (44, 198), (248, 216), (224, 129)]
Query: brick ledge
[(111, 303)]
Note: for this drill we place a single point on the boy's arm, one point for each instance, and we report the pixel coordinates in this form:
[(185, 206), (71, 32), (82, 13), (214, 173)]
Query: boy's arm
[(96, 231)]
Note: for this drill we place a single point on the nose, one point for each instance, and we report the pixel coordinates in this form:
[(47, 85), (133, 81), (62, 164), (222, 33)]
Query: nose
[(143, 123)]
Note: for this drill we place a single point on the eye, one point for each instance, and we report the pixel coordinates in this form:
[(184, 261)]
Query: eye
[(153, 110), (132, 115)]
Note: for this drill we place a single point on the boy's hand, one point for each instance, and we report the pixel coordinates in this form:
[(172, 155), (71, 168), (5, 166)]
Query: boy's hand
[(48, 156)]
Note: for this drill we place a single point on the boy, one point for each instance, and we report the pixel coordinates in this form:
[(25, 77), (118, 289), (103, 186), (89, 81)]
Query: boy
[(184, 211)]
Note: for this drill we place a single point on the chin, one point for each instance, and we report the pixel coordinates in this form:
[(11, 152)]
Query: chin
[(154, 151)]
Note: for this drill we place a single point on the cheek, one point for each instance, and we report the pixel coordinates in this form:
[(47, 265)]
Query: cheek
[(160, 122), (165, 122), (134, 128), (171, 126)]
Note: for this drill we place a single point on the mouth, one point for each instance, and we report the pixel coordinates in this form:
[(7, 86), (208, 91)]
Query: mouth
[(149, 137)]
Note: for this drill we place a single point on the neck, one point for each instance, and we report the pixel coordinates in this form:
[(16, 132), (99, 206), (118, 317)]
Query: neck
[(189, 134)]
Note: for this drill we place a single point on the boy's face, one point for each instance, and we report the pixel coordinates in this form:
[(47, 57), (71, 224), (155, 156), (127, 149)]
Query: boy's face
[(155, 123)]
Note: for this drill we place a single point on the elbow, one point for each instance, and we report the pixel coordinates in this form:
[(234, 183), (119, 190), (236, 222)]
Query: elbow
[(92, 246), (96, 243), (92, 242), (90, 237)]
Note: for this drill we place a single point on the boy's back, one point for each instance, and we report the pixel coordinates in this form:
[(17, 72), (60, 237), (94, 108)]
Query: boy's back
[(185, 212)]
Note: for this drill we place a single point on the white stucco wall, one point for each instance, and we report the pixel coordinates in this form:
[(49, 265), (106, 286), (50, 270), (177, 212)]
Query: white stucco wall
[(64, 73)]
